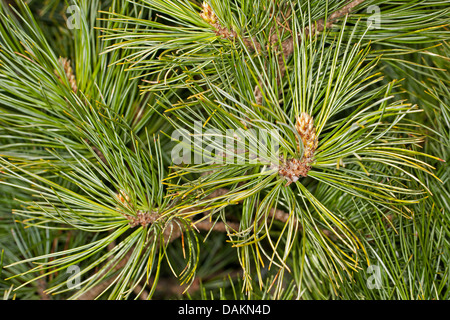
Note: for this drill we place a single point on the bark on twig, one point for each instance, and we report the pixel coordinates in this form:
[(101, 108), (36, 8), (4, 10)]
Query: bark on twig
[(41, 287), (277, 214)]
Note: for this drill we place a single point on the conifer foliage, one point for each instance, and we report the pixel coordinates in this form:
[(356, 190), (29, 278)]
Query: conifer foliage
[(233, 149)]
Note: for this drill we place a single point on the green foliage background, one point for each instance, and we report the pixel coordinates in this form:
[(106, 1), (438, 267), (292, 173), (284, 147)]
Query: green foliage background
[(378, 193)]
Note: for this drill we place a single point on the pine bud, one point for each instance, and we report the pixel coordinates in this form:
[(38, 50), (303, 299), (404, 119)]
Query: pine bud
[(208, 14), (293, 169), (143, 218), (307, 131)]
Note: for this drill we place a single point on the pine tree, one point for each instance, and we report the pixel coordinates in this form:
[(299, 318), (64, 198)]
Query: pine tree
[(266, 149)]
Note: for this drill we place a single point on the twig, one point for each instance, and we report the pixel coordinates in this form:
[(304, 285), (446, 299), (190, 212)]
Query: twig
[(207, 225), (277, 214), (41, 287)]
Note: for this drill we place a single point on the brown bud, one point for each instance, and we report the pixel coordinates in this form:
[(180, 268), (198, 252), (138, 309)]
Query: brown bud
[(293, 169), (65, 63), (208, 14), (307, 131)]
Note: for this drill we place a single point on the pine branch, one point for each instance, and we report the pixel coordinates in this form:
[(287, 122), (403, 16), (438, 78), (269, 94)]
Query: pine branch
[(287, 46), (277, 214), (369, 183), (170, 234), (293, 169)]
